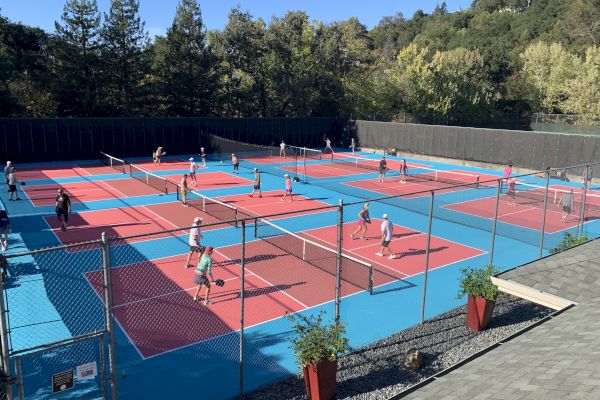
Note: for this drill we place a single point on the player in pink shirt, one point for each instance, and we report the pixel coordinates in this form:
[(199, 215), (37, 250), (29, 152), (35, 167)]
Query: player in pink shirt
[(288, 188)]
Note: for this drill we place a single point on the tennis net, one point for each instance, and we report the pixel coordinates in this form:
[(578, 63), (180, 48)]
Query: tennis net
[(215, 208), (242, 150), (113, 162), (304, 152), (159, 183), (354, 271), (534, 195)]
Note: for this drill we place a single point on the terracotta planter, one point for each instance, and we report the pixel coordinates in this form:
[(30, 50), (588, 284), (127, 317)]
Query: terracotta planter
[(479, 311), (320, 379)]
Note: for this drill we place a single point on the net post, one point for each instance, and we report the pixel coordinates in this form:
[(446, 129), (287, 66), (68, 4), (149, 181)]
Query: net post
[(255, 228), (338, 269), (583, 200), (6, 367), (108, 307), (544, 215), (431, 200), (477, 182), (203, 204), (370, 279), (235, 216), (495, 221), (242, 281)]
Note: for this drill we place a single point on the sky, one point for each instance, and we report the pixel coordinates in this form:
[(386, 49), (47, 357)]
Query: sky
[(158, 14)]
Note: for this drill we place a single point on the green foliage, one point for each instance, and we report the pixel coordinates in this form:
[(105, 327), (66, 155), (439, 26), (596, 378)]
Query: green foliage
[(477, 282), (569, 240), (316, 340)]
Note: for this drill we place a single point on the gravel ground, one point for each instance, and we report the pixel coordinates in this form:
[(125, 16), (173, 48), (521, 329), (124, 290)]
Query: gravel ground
[(375, 371)]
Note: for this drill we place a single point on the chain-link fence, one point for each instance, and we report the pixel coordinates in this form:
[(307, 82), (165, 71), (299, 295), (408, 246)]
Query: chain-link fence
[(84, 320)]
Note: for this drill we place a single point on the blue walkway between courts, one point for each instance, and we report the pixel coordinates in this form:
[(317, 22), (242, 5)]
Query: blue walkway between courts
[(210, 368)]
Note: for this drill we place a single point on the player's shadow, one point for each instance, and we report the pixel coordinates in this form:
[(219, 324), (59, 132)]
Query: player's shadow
[(417, 252)]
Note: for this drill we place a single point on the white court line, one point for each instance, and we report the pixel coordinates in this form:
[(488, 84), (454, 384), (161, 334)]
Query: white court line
[(77, 166)]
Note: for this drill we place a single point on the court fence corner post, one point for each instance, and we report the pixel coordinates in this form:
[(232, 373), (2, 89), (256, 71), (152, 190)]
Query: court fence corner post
[(242, 282), (108, 307), (338, 269), (544, 214), (432, 199), (586, 176), (495, 221), (6, 368)]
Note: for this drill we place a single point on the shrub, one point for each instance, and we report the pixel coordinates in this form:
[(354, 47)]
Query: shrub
[(478, 282), (569, 240)]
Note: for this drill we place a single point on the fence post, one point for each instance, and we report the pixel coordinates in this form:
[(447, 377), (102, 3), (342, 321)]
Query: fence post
[(544, 215), (427, 256), (338, 271), (583, 200), (495, 222), (6, 369), (242, 280), (108, 307)]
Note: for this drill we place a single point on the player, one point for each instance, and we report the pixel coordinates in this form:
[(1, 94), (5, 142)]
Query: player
[(63, 209), (184, 190), (236, 163), (288, 188), (194, 242), (382, 169), (567, 205), (387, 233), (511, 191), (363, 220), (507, 173), (282, 149), (403, 171), (12, 185), (202, 272), (588, 173), (352, 145), (7, 170), (328, 146), (157, 155), (193, 168), (203, 156), (256, 183), (4, 229)]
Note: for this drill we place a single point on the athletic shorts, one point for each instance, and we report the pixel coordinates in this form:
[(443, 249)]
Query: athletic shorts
[(288, 191), (62, 212), (196, 249), (511, 193), (567, 209), (201, 279), (256, 187), (12, 188), (382, 171), (192, 173), (385, 243), (362, 224)]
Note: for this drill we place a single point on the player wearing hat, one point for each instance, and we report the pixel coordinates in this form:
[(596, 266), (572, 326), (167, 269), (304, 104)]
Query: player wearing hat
[(193, 168), (256, 183), (363, 220), (201, 274), (194, 241), (387, 233), (236, 163), (288, 188)]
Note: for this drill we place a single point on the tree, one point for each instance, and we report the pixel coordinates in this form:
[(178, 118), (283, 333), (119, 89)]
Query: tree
[(123, 42), (187, 77), (77, 57), (584, 89)]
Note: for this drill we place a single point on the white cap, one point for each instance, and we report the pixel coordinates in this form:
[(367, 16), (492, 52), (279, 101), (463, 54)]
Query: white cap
[(366, 205), (191, 158), (8, 162), (197, 219), (255, 169), (286, 175), (385, 216)]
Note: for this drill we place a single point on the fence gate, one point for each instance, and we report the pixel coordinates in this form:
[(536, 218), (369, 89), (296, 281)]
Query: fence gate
[(72, 369)]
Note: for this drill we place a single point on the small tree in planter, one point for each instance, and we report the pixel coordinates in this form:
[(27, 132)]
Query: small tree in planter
[(316, 346), (477, 284)]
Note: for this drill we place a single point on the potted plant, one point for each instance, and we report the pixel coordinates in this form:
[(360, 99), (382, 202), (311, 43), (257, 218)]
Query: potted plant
[(482, 293), (316, 346)]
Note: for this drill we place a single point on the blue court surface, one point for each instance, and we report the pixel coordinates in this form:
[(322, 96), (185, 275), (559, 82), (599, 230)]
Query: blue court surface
[(168, 345)]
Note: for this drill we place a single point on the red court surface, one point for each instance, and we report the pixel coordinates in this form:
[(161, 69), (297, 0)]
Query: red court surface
[(270, 203), (269, 159), (165, 164), (409, 247), (212, 180), (329, 169), (62, 171), (81, 192), (153, 301), (528, 212), (417, 183)]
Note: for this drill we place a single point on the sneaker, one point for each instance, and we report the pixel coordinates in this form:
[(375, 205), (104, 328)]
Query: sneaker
[(352, 236), (18, 198), (195, 298), (364, 238), (391, 257), (379, 254), (62, 229), (207, 302)]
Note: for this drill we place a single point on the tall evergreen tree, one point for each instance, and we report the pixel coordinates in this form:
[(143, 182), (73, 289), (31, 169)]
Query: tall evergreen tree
[(77, 57), (188, 79), (124, 39)]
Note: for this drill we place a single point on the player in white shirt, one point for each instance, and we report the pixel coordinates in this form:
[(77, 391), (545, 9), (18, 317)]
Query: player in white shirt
[(194, 241), (387, 233), (282, 149)]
